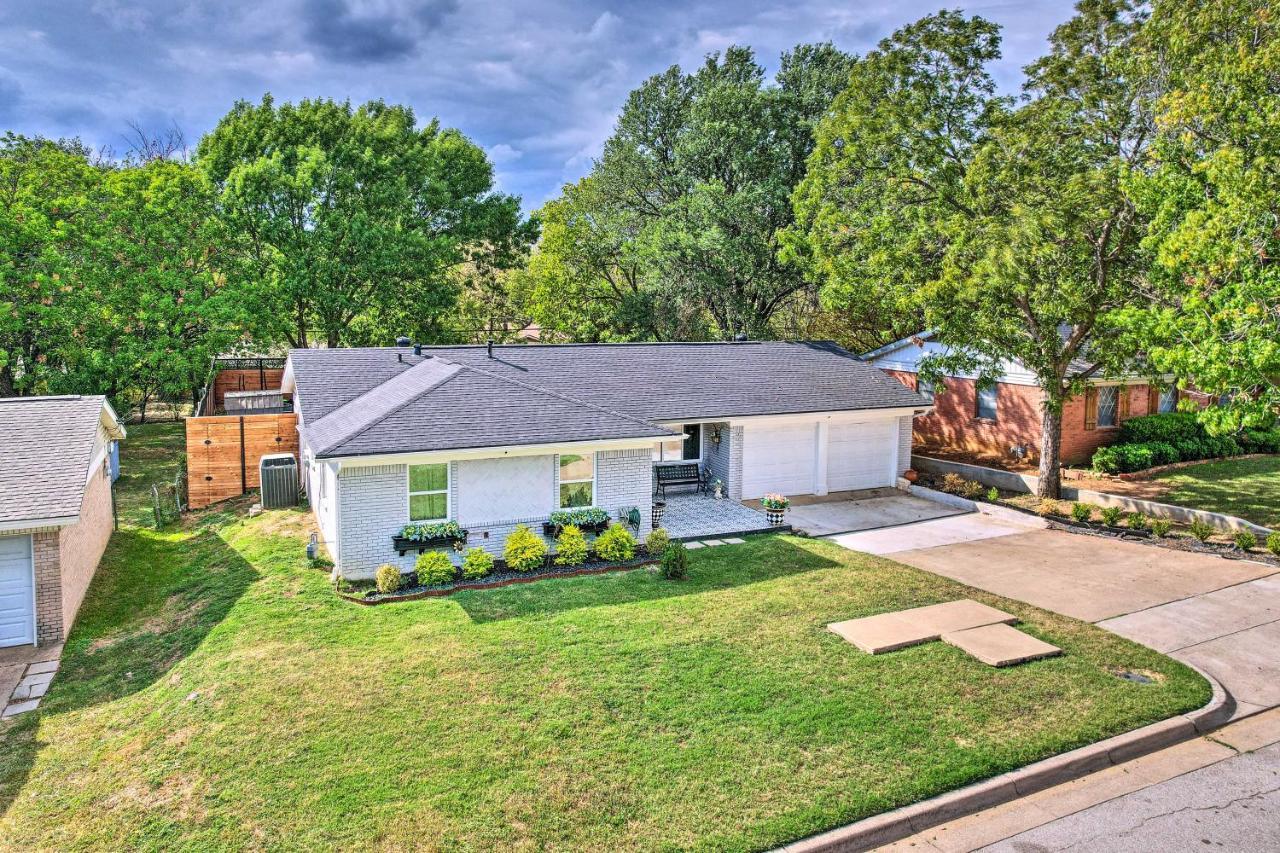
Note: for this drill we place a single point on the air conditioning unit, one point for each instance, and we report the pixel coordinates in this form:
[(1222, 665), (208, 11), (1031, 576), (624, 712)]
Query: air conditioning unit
[(278, 474)]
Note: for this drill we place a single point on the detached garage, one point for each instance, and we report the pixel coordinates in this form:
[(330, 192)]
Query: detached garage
[(56, 511)]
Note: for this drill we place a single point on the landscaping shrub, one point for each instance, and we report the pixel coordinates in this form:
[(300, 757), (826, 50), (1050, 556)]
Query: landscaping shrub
[(1273, 543), (525, 550), (1261, 440), (658, 541), (675, 562), (1048, 507), (1201, 530), (1170, 427), (616, 544), (971, 489), (434, 567), (1111, 515), (1171, 437), (1161, 527), (1081, 512), (953, 483), (993, 494), (1245, 540), (571, 547), (476, 564), (387, 578), (1137, 521)]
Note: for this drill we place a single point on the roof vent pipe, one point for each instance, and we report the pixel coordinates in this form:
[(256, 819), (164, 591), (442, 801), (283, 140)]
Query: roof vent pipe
[(490, 349), (417, 349)]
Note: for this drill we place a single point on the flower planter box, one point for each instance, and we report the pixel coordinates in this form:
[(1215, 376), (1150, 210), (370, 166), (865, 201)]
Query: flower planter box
[(554, 530), (404, 546)]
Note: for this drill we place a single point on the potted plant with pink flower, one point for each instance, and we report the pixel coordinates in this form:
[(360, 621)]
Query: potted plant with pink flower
[(775, 507)]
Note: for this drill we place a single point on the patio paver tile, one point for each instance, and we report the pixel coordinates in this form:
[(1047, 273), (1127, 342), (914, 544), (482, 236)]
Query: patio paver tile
[(711, 543), (887, 632), (692, 545), (1000, 645)]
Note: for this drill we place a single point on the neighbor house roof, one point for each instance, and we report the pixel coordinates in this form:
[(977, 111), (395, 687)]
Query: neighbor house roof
[(46, 447), (536, 394)]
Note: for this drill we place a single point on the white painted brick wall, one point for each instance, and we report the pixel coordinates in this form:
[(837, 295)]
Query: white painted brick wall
[(904, 443)]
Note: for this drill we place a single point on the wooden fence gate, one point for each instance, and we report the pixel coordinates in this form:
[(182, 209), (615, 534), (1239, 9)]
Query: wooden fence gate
[(223, 453)]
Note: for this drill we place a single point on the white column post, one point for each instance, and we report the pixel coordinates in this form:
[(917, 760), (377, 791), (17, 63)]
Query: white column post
[(820, 459)]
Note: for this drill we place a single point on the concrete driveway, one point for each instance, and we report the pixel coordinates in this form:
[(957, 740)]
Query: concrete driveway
[(1220, 615), (850, 511)]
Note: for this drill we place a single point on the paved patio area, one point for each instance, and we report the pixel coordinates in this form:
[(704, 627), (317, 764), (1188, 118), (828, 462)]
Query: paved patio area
[(697, 516)]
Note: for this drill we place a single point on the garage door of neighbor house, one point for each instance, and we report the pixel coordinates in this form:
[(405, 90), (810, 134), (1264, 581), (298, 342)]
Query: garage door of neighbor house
[(778, 459), (861, 455), (17, 592)]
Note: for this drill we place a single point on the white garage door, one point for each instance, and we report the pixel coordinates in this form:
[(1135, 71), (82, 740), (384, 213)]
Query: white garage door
[(861, 455), (17, 616), (778, 459)]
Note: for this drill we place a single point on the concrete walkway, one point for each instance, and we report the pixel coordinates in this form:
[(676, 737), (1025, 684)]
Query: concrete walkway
[(846, 511)]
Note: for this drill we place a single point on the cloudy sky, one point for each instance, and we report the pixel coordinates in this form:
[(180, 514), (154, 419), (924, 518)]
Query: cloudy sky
[(537, 83)]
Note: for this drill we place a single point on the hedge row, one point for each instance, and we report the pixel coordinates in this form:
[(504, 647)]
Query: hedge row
[(1152, 440)]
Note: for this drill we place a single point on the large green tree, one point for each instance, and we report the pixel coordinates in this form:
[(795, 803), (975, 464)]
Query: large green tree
[(1212, 190), (1007, 231), (675, 232), (356, 218)]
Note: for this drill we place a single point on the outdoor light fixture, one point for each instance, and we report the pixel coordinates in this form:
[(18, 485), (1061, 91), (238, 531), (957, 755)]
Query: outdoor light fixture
[(715, 435)]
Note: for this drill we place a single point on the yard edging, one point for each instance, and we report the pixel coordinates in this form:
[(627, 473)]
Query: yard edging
[(1026, 483), (891, 826)]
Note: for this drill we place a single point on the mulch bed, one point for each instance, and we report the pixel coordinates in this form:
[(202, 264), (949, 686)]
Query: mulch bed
[(503, 577)]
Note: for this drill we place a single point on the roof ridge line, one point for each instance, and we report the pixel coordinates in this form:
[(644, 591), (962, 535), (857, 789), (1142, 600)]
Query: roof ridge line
[(395, 409), (549, 392)]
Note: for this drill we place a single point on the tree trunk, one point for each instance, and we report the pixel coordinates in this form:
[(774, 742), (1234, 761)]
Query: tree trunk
[(1050, 451)]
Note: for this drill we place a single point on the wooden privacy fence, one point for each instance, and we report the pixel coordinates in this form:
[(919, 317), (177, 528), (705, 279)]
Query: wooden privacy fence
[(223, 453)]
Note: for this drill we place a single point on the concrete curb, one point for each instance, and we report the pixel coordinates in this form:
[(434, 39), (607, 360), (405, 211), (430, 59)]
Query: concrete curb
[(982, 507), (885, 828)]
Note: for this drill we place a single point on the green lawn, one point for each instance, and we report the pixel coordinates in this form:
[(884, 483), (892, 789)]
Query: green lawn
[(216, 694), (1248, 488)]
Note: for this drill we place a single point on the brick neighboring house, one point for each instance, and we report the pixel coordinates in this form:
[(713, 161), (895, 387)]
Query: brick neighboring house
[(493, 438), (1006, 421), (56, 510)]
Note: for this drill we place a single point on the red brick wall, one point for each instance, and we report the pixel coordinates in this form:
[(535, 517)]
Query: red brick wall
[(82, 543), (953, 423), (47, 551), (1078, 443)]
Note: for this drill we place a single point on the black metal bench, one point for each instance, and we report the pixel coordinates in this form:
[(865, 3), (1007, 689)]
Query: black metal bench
[(679, 475)]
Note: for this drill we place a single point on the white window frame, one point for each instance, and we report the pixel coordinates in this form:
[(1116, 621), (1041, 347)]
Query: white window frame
[(589, 454), (659, 452), (448, 497), (1170, 391), (1115, 409)]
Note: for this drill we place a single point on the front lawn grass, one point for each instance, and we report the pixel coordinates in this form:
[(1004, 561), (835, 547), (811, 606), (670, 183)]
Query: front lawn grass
[(216, 694), (1248, 488)]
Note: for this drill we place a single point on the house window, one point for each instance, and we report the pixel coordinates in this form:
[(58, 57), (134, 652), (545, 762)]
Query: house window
[(429, 492), (1168, 399), (987, 398), (676, 449), (1108, 405), (577, 479), (925, 389)]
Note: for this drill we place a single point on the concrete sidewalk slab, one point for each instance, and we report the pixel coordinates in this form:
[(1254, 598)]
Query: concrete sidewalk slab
[(1191, 621), (829, 517), (1000, 645), (887, 632), (971, 527), (1247, 663)]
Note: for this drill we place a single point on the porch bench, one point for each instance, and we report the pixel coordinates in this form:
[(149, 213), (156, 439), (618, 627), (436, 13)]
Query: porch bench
[(679, 475)]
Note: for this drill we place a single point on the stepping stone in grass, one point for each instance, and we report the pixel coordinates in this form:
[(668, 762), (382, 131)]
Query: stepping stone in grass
[(887, 632), (734, 540), (1000, 645), (711, 543), (692, 545)]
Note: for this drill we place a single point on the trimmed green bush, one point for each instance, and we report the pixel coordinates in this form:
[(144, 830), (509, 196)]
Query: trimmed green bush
[(1261, 440), (476, 564), (993, 494), (1081, 512), (1111, 515), (1161, 527), (1136, 521), (524, 550), (1201, 530), (675, 562), (571, 547), (1168, 426), (616, 545), (434, 568), (1273, 543), (658, 541), (1245, 540), (387, 578)]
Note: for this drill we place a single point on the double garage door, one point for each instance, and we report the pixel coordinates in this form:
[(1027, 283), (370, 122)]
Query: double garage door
[(17, 592), (785, 458)]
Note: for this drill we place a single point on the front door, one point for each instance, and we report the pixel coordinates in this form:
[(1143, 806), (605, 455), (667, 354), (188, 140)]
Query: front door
[(17, 592)]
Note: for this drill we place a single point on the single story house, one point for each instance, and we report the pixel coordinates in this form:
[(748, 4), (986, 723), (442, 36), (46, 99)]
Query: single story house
[(1004, 420), (492, 437), (56, 510)]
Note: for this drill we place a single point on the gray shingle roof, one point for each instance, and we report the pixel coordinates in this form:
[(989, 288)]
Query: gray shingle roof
[(46, 444), (530, 394)]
